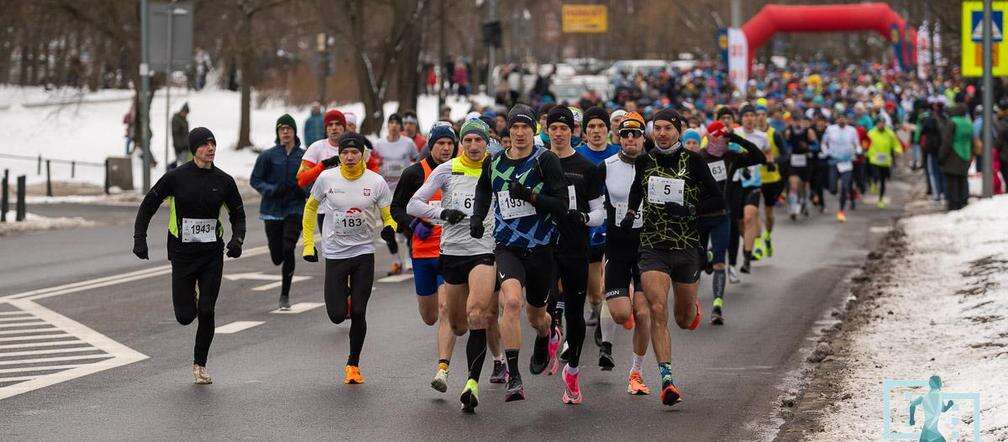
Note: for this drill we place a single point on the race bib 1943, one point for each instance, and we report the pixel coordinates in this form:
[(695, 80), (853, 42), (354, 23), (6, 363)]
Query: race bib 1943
[(663, 190), (511, 208), (199, 230)]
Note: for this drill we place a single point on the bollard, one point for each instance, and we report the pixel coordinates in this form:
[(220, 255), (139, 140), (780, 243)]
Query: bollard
[(106, 176), (20, 204), (73, 168), (4, 198), (39, 171), (48, 178)]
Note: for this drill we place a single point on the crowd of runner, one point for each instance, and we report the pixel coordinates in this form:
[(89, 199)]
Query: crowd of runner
[(584, 216)]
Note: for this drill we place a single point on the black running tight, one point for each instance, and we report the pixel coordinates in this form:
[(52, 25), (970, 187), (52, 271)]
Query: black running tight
[(195, 285), (360, 272)]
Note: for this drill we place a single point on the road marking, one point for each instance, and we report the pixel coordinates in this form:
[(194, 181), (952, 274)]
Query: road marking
[(25, 324), (274, 285), (258, 276), (35, 352), (237, 326), (14, 314), (34, 330), (300, 307), (24, 319), (397, 278), (879, 229)]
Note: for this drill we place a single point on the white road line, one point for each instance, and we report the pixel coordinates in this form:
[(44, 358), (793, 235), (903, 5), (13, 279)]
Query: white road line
[(237, 326), (397, 278), (274, 285), (55, 359), (42, 368), (43, 344), (32, 330), (16, 378), (47, 351), (36, 337), (21, 325), (14, 314), (300, 307), (16, 320)]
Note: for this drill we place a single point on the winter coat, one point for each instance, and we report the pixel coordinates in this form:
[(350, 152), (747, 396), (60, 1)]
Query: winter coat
[(275, 177)]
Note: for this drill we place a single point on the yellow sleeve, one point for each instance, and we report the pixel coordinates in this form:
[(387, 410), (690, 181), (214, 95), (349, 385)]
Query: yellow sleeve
[(899, 144), (308, 223), (386, 216)]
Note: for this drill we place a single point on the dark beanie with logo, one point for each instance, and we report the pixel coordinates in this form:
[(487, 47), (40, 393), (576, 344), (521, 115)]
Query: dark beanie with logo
[(198, 137)]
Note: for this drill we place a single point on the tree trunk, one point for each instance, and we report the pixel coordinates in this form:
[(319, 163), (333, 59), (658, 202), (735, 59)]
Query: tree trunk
[(245, 66), (409, 68)]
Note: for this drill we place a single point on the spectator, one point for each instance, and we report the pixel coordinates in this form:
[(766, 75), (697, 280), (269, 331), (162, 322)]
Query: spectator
[(954, 155), (180, 136), (314, 129)]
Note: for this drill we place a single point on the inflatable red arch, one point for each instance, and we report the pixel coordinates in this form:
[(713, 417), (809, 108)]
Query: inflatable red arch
[(878, 17)]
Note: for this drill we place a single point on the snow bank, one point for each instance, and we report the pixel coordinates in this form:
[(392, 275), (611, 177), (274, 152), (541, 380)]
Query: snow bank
[(33, 222), (946, 315)]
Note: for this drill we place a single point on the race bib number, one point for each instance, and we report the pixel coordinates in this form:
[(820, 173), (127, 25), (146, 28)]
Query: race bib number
[(344, 224), (718, 169), (571, 198), (663, 190), (393, 169), (798, 160), (199, 230), (511, 208), (844, 166), (437, 205), (881, 158), (464, 201), (621, 210)]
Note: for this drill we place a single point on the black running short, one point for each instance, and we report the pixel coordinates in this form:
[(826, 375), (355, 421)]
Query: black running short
[(683, 266), (533, 268), (619, 274), (455, 269), (596, 253), (741, 197), (771, 192)]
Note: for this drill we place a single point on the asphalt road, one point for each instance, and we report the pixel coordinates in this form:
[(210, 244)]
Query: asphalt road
[(282, 378)]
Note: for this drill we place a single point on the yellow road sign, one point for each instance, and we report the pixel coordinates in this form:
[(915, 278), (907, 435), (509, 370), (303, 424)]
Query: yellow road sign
[(585, 19), (972, 39)]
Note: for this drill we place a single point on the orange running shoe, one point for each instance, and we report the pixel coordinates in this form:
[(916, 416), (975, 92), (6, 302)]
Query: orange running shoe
[(397, 269), (353, 375), (697, 318), (630, 323), (635, 385), (841, 216), (670, 394)]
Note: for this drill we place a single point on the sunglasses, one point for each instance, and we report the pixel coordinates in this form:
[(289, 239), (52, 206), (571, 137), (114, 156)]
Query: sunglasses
[(631, 133)]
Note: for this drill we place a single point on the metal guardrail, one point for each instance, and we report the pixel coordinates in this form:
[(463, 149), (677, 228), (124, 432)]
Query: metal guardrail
[(48, 167)]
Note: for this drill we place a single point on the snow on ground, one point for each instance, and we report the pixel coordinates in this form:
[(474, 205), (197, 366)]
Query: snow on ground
[(947, 315), (33, 222), (91, 128)]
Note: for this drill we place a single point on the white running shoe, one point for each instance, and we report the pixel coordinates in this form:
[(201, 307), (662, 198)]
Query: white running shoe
[(200, 373), (440, 382), (733, 276)]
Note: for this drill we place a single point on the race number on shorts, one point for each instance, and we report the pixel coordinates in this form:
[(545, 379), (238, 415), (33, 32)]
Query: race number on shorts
[(199, 230), (798, 160), (844, 166), (663, 190), (718, 170), (511, 208)]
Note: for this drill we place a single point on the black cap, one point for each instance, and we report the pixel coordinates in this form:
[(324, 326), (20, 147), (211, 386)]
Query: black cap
[(523, 113), (746, 108), (353, 140), (395, 117), (560, 114), (595, 112), (724, 110), (670, 115), (198, 137)]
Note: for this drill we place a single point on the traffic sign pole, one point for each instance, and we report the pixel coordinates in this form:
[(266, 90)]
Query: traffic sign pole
[(988, 175)]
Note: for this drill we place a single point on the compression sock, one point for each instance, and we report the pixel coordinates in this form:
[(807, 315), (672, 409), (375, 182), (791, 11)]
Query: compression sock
[(665, 371), (476, 353), (512, 362), (607, 323), (718, 283), (636, 363)]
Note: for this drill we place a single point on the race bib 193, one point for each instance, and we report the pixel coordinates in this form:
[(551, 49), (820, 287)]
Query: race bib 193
[(511, 208), (663, 190), (799, 160), (717, 169), (199, 230)]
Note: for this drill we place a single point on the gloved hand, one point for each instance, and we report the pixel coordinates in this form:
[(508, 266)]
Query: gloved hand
[(331, 161), (746, 173), (771, 167), (476, 228), (281, 189), (140, 247), (735, 147), (628, 220), (577, 217), (422, 229), (678, 210), (234, 247), (452, 216), (388, 235), (518, 191), (310, 254)]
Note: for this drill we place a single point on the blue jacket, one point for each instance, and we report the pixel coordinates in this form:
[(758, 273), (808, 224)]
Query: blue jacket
[(314, 129), (273, 167)]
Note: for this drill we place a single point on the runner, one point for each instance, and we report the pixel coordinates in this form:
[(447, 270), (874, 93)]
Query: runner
[(354, 199), (770, 175), (726, 153), (195, 191), (800, 137), (623, 290), (411, 129), (840, 144), (883, 148), (819, 166), (584, 208), (527, 185), (324, 153), (674, 185), (596, 130), (425, 240), (733, 196), (746, 207), (394, 153), (275, 178), (467, 264)]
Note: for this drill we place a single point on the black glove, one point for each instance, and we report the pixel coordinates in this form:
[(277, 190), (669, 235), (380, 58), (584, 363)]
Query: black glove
[(577, 217), (234, 247), (518, 191), (678, 210), (452, 216), (311, 258), (628, 220), (388, 235), (476, 229), (281, 189), (771, 167), (746, 174), (140, 247), (331, 161)]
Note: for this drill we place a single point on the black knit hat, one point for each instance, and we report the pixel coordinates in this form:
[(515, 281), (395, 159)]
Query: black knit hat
[(522, 113), (746, 108), (353, 140), (395, 117), (560, 114), (593, 113), (724, 110), (198, 137), (670, 115), (285, 120)]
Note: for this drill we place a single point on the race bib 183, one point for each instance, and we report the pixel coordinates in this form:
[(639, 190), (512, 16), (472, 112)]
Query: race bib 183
[(663, 190), (347, 224)]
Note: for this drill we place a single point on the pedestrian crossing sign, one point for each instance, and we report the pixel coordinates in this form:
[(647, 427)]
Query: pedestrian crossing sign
[(972, 39)]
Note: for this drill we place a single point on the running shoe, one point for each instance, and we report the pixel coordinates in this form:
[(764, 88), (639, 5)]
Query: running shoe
[(768, 242), (572, 392), (635, 385), (593, 318), (540, 355), (500, 373), (515, 390), (630, 322), (881, 204), (553, 350), (605, 359), (598, 335), (794, 217), (841, 216), (353, 375), (396, 269), (440, 382), (670, 394), (200, 373), (716, 318), (759, 248), (709, 265), (733, 276), (470, 396), (745, 268), (284, 302), (699, 316)]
